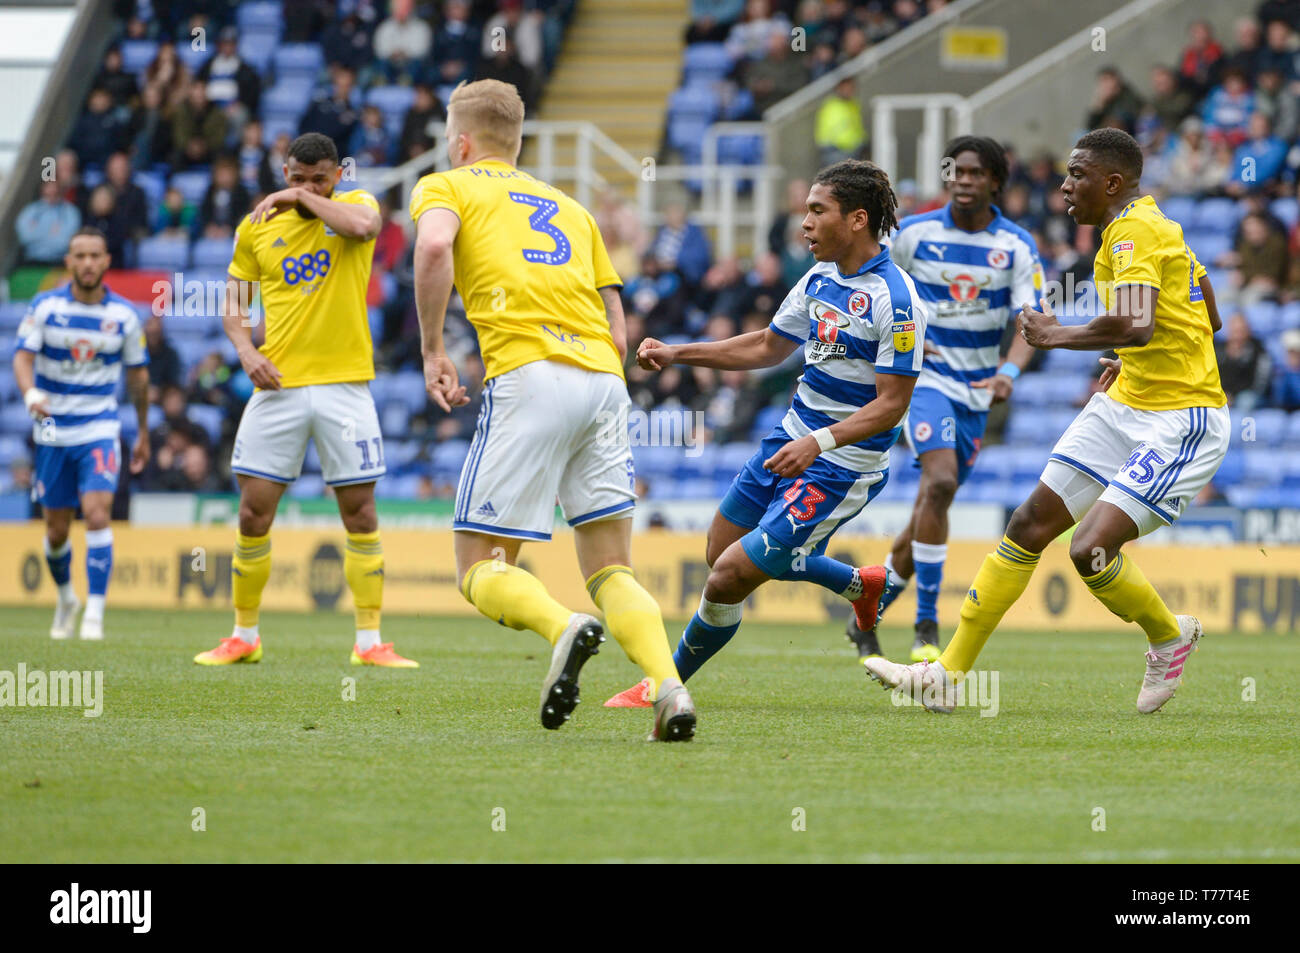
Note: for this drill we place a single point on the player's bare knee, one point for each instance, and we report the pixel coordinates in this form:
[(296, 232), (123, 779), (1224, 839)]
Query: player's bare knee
[(1089, 553), (938, 489), (1026, 530), (254, 521), (723, 584)]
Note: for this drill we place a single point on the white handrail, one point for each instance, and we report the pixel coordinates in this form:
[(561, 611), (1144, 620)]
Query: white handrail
[(929, 145)]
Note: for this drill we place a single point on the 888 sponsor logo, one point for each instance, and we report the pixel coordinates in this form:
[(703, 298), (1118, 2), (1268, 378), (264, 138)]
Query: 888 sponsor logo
[(306, 267)]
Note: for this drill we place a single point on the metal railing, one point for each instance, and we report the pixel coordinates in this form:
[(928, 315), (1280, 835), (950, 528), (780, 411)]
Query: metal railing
[(929, 145)]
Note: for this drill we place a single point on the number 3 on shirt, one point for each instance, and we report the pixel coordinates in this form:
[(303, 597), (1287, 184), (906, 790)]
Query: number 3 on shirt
[(811, 497), (540, 221)]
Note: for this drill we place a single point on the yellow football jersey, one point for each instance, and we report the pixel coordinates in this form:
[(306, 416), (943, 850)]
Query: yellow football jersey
[(528, 263), (313, 285), (1177, 367)]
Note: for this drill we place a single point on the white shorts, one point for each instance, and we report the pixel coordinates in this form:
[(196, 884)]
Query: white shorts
[(1149, 463), (341, 418), (547, 432)]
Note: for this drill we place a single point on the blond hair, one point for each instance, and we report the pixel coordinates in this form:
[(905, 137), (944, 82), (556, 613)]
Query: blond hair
[(491, 112)]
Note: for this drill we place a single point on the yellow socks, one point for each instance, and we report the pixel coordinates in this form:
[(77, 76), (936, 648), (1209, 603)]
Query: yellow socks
[(363, 567), (999, 583), (512, 596), (633, 618), (1123, 589), (249, 570)]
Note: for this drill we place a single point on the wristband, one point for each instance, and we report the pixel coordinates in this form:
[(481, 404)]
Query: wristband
[(1010, 370), (33, 395), (824, 439)]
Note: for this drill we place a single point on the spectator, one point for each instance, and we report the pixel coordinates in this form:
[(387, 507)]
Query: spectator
[(722, 289), (121, 86), (1261, 259), (335, 114), (345, 42), (164, 361), (175, 217), (504, 65), (305, 19), (99, 131), (1279, 50), (749, 38), (130, 198), (226, 201), (456, 44), (402, 42), (102, 213), (1246, 55), (371, 144), (151, 129), (855, 43), (522, 30), (1286, 10), (1170, 102), (276, 159), (1199, 56), (681, 245), (1193, 167), (711, 20), (1245, 368), (254, 175), (425, 110), (67, 173), (199, 129), (1279, 103), (1286, 386), (1258, 162), (765, 288), (657, 297), (1114, 103), (167, 73), (1227, 109), (838, 130), (777, 75), (46, 226), (231, 83)]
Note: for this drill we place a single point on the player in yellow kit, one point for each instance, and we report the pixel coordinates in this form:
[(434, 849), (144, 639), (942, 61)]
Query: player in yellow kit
[(311, 251), (1137, 453), (539, 288)]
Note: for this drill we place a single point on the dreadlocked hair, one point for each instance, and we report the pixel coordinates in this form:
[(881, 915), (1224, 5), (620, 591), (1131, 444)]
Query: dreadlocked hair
[(859, 184)]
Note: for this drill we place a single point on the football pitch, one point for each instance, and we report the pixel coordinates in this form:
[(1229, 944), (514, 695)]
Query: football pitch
[(798, 757)]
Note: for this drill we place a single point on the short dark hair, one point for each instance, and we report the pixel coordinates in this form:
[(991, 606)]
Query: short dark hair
[(91, 231), (313, 147), (1116, 150), (992, 156), (859, 184)]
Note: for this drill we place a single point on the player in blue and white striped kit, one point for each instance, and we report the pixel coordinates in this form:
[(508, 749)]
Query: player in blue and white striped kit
[(72, 345), (975, 269), (862, 327)]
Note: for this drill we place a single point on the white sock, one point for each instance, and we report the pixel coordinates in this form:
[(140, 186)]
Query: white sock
[(246, 633), (66, 593), (892, 578), (94, 608), (367, 639)]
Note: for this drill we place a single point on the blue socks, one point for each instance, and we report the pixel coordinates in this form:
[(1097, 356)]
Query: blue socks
[(709, 630), (99, 560), (928, 559), (60, 562), (830, 573)]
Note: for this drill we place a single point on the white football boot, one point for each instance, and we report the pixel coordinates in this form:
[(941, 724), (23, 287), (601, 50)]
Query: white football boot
[(579, 641), (927, 682), (1165, 665), (674, 713), (65, 616)]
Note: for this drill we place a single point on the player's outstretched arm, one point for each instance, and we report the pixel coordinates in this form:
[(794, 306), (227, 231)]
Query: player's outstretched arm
[(1130, 323), (235, 322), (434, 275), (744, 352), (893, 394), (351, 220), (37, 400)]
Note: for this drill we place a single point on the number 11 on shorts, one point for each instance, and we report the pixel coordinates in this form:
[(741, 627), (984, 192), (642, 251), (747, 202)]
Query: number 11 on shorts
[(364, 447)]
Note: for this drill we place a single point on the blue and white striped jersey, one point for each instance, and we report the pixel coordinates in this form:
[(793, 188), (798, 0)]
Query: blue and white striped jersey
[(80, 349), (852, 328), (973, 284)]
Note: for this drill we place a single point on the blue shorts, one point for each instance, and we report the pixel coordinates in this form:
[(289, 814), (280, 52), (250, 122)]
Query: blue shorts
[(936, 422), (64, 473), (794, 514)]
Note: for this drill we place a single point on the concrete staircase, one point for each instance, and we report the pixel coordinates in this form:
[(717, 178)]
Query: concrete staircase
[(620, 61)]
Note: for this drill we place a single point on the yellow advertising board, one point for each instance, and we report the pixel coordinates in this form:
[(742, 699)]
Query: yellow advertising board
[(973, 48), (1230, 587)]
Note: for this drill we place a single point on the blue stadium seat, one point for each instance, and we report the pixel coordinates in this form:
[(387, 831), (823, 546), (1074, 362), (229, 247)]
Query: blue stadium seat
[(207, 417), (706, 61), (259, 15), (211, 253), (1287, 209), (766, 419), (11, 315), (1263, 317), (163, 254), (138, 54), (299, 60), (1232, 469), (192, 184), (695, 101), (685, 133), (732, 458), (1270, 426), (401, 454), (1289, 317), (740, 106), (1293, 430), (742, 150), (656, 461), (191, 348), (152, 184), (1261, 466), (311, 459), (995, 462), (1216, 215), (395, 418), (11, 449), (391, 99), (257, 48), (1209, 246), (289, 97), (1181, 208), (408, 387), (449, 456), (1033, 390), (398, 487), (8, 386), (273, 126), (1290, 470), (194, 58), (1028, 462)]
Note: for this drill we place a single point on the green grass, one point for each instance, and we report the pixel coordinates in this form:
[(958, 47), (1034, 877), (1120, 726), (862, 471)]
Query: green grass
[(413, 769)]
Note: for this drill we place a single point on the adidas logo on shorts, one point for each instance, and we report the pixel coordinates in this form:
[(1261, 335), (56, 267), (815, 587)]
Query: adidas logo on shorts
[(485, 510)]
